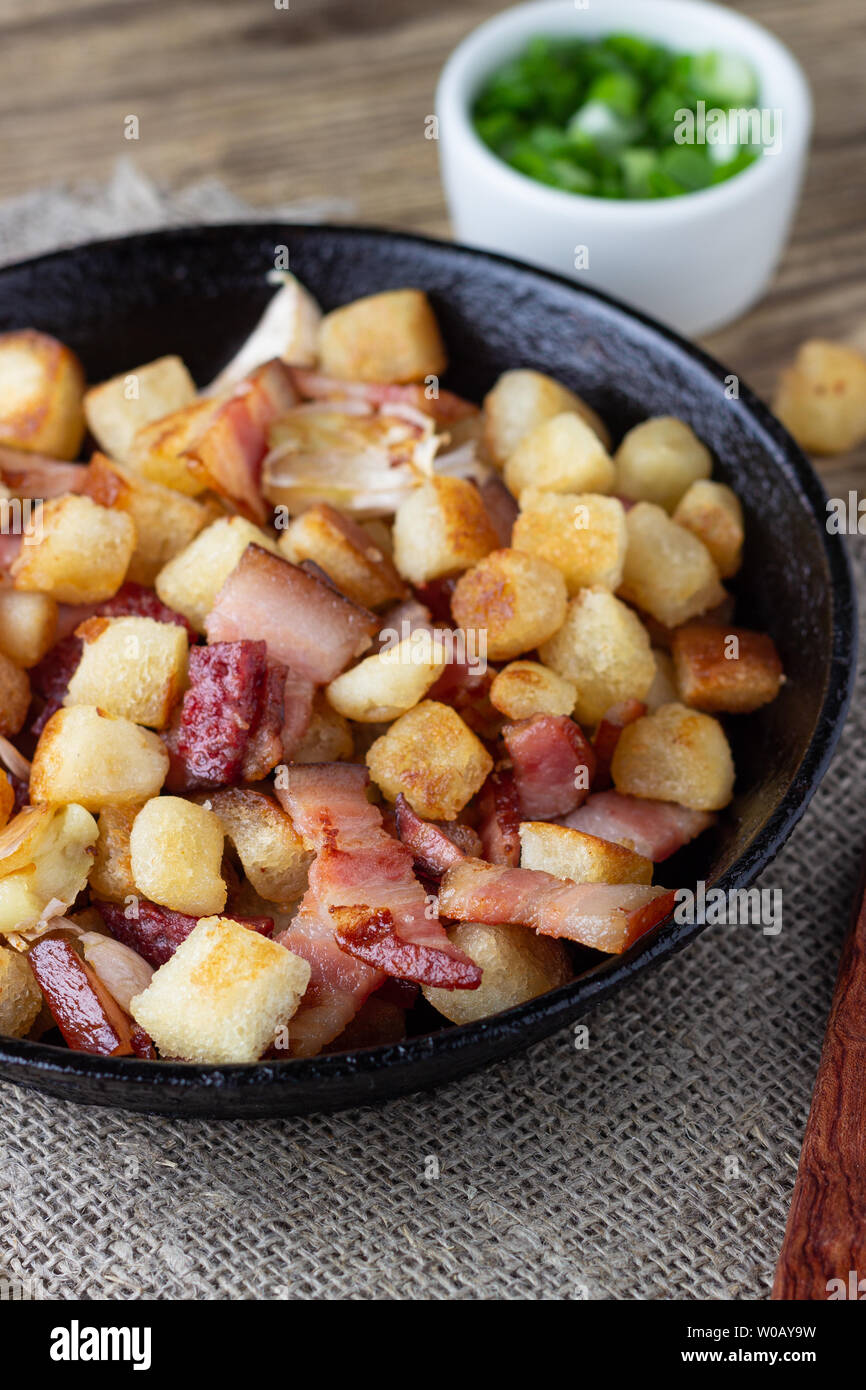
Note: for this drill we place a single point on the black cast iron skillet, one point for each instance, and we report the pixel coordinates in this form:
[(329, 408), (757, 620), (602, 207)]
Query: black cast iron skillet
[(198, 293)]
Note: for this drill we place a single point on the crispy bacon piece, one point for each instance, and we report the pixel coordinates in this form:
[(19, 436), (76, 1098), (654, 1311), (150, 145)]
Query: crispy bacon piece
[(37, 476), (307, 625), (227, 681), (339, 983), (264, 747), (157, 932), (435, 845), (553, 763), (142, 1044), (84, 1011), (607, 737), (656, 829), (499, 805), (373, 937), (607, 917), (364, 878), (446, 407), (465, 685), (230, 452)]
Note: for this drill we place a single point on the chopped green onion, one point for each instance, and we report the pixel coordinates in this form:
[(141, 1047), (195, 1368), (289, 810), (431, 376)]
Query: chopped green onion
[(616, 117)]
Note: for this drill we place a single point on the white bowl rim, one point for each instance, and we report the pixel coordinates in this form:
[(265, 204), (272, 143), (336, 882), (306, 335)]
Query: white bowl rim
[(452, 97)]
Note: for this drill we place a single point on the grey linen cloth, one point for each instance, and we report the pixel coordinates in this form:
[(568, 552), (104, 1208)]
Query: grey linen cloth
[(656, 1163)]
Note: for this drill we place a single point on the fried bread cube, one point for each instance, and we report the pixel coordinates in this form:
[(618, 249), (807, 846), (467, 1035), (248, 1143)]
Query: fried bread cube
[(518, 599), (386, 685), (523, 399), (176, 851), (190, 582), (524, 688), (441, 528), (41, 390), (604, 649), (347, 554), (433, 758), (161, 449), (572, 854), (821, 399), (668, 572), (659, 459), (111, 875), (562, 454), (271, 851), (675, 754), (165, 521), (28, 625), (223, 997), (729, 670), (14, 697), (582, 534), (96, 759), (132, 667), (82, 554), (391, 336), (516, 965), (712, 512), (117, 409)]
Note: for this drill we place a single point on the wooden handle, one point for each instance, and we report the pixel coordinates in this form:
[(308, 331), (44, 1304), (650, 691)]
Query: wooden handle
[(825, 1239)]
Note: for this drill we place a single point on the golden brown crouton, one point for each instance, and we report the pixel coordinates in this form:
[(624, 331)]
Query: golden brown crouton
[(433, 758), (440, 529), (725, 669), (176, 851), (675, 754), (90, 757), (603, 648), (223, 997), (41, 391), (516, 598), (82, 554), (391, 336)]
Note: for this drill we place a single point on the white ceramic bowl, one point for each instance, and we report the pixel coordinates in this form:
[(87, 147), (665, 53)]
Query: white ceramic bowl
[(696, 261)]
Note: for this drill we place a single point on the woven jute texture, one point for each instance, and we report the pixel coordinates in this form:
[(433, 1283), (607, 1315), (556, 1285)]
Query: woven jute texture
[(655, 1163)]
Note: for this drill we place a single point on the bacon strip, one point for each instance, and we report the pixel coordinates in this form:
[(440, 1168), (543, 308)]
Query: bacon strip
[(37, 476), (230, 452), (656, 829), (500, 818), (339, 983), (364, 878), (554, 764), (446, 407), (607, 917), (432, 847), (308, 626), (607, 737)]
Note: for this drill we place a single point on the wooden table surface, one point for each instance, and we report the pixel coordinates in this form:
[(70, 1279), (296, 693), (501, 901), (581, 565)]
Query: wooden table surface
[(329, 97)]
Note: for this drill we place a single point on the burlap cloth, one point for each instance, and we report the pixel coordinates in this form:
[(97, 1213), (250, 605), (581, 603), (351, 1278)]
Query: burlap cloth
[(656, 1164)]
